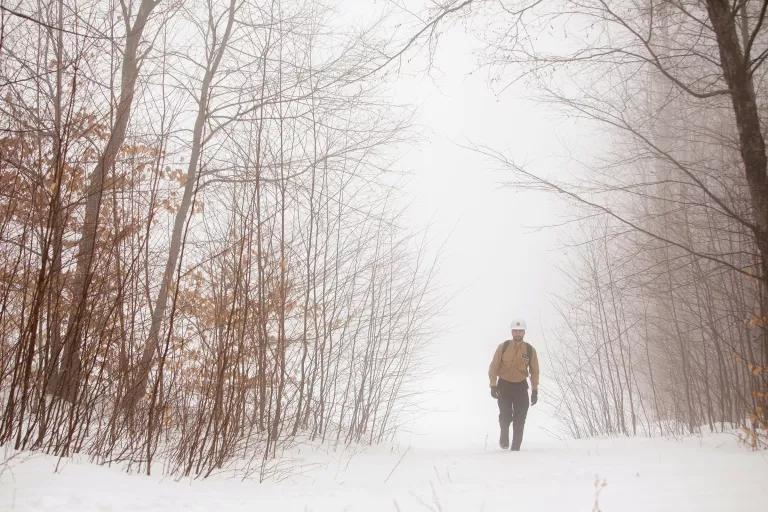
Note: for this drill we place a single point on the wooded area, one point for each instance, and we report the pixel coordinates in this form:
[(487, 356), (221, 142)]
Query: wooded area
[(200, 260), (666, 332)]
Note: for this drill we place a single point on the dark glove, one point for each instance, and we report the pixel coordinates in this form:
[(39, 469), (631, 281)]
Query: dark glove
[(494, 392), (534, 396)]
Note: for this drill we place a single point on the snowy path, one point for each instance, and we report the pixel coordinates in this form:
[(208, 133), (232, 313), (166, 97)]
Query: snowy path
[(709, 474)]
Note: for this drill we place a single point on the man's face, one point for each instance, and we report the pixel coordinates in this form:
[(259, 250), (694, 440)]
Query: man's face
[(518, 334)]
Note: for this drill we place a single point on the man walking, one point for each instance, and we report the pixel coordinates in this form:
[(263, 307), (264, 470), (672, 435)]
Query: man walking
[(513, 361)]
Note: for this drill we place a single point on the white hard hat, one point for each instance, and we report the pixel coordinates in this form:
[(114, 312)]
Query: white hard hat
[(518, 324)]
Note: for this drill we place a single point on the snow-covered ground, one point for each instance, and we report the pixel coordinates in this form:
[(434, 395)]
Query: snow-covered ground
[(711, 473)]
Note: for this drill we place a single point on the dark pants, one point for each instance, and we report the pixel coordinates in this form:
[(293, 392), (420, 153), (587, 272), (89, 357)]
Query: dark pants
[(513, 408)]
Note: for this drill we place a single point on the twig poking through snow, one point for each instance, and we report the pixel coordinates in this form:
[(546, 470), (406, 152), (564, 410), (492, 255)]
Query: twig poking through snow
[(599, 485), (398, 463)]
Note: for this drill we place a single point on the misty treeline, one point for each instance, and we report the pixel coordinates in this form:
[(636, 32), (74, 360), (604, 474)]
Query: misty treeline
[(200, 260), (666, 329)]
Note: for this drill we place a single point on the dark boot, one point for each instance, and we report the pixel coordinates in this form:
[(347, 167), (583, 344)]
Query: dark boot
[(504, 438)]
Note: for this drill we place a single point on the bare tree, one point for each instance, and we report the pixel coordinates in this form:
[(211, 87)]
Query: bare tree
[(201, 262)]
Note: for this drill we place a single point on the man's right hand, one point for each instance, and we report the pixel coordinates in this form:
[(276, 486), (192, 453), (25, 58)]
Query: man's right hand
[(495, 392)]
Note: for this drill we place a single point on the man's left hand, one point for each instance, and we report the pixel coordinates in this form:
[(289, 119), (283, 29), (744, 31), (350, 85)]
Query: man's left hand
[(534, 396)]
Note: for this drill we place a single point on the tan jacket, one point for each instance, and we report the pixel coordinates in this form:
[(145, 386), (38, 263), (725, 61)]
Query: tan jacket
[(514, 366)]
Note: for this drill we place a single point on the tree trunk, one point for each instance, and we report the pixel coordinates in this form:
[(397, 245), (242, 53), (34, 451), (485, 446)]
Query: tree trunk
[(736, 65), (70, 364), (138, 385)]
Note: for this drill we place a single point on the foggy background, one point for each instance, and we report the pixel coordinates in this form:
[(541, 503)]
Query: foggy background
[(292, 121), (500, 253)]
